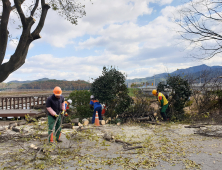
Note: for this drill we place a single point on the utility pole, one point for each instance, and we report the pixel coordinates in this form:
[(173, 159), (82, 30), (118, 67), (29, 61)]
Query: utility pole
[(200, 77), (154, 79)]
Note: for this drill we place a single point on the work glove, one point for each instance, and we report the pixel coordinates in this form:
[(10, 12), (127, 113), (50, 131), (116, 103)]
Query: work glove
[(56, 115), (63, 112)]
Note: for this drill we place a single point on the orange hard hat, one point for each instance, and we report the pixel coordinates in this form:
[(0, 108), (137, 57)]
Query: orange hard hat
[(57, 91), (154, 92)]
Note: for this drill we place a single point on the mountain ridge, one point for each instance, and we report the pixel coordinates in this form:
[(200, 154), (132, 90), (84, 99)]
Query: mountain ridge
[(162, 76)]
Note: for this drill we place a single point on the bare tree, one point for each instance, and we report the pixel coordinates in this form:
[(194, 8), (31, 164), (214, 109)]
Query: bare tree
[(69, 9), (201, 24)]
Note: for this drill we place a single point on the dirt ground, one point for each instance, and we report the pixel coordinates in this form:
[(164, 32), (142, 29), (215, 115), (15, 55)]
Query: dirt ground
[(167, 146)]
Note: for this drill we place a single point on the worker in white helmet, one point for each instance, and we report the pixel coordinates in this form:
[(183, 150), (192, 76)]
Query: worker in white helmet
[(97, 107), (67, 104)]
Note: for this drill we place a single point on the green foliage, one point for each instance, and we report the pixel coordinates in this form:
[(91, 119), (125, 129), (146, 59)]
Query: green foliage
[(160, 87), (80, 101), (178, 97), (110, 89), (132, 91)]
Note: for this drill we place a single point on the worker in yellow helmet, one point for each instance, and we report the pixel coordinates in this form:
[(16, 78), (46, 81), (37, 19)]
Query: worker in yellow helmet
[(163, 102)]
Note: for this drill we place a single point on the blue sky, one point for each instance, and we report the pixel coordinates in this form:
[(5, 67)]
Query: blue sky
[(137, 36)]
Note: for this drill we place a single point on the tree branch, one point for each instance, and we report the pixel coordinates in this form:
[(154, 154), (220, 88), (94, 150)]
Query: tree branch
[(35, 7), (36, 32), (18, 4)]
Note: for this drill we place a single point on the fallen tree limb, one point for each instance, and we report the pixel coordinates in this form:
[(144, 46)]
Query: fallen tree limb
[(112, 139), (19, 130), (67, 126), (20, 136), (194, 126), (36, 148), (142, 118), (126, 148), (205, 134), (31, 118)]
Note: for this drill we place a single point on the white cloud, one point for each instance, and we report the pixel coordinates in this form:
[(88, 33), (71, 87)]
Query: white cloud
[(164, 2), (60, 32), (140, 51)]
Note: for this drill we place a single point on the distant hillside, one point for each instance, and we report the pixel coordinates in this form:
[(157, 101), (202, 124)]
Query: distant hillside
[(6, 86), (28, 81), (50, 84), (195, 71)]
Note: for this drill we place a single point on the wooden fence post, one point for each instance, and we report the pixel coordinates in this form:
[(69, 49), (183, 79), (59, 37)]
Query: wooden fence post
[(6, 103), (26, 106), (2, 103), (41, 100), (38, 101), (10, 103), (14, 103), (22, 102)]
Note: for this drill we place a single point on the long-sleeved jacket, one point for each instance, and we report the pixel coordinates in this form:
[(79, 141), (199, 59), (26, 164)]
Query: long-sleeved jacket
[(55, 105), (95, 104)]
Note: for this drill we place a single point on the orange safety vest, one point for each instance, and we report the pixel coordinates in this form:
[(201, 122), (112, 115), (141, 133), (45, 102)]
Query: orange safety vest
[(66, 105)]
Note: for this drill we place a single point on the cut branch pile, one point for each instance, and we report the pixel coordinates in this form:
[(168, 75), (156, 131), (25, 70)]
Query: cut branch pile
[(138, 117)]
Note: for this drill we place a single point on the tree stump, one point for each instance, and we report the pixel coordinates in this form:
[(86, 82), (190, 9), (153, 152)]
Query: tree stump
[(102, 122), (85, 122)]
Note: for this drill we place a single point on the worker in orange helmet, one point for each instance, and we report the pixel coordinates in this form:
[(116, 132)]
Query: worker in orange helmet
[(54, 105), (163, 102)]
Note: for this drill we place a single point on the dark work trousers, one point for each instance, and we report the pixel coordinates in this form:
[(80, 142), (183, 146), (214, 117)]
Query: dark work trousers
[(99, 110), (163, 112)]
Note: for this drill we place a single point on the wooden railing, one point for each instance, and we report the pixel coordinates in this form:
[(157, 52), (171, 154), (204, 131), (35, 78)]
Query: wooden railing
[(23, 102)]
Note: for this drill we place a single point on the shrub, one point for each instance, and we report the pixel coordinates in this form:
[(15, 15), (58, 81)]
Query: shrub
[(180, 94), (80, 101), (111, 90)]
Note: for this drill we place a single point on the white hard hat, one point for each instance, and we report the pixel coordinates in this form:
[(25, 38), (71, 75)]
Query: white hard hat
[(69, 101), (91, 97)]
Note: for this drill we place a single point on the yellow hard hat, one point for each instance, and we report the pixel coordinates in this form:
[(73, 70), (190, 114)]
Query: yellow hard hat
[(57, 91), (154, 92)]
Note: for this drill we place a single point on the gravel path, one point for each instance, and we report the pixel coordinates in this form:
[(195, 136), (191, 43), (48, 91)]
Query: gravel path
[(166, 146)]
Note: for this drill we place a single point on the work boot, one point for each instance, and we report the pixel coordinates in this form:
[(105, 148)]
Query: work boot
[(164, 116), (59, 140)]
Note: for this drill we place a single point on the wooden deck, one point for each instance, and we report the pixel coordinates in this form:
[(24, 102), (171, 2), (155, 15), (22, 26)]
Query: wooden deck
[(18, 112)]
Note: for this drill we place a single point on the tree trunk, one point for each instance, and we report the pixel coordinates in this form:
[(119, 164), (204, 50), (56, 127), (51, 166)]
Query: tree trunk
[(18, 58)]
